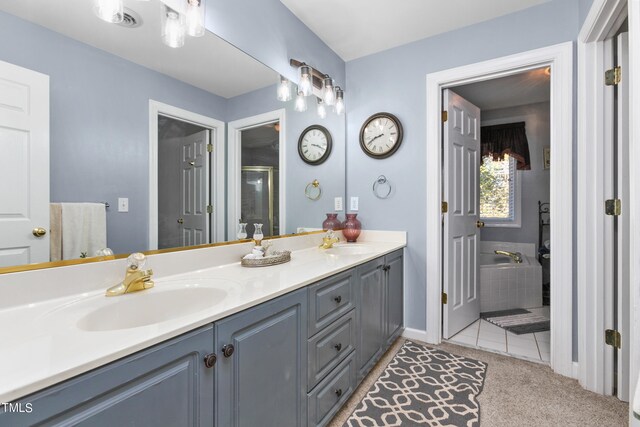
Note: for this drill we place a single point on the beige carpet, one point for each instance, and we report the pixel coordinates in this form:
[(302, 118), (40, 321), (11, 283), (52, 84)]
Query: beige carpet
[(518, 393)]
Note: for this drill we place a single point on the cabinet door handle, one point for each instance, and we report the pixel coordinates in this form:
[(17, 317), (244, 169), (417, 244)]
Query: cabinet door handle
[(338, 299), (338, 346), (386, 268), (227, 350), (210, 360), (339, 392)]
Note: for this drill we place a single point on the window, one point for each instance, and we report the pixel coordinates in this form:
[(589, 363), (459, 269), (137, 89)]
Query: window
[(499, 192)]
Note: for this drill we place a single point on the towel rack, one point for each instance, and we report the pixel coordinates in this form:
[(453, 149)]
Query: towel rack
[(106, 204)]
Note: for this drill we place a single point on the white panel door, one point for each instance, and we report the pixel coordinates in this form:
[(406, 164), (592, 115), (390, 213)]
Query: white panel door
[(24, 165), (195, 189), (461, 240)]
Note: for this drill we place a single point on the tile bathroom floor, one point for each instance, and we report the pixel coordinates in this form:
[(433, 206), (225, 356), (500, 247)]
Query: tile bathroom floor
[(487, 336)]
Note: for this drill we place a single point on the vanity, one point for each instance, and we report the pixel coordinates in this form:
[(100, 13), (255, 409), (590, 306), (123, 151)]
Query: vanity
[(283, 345)]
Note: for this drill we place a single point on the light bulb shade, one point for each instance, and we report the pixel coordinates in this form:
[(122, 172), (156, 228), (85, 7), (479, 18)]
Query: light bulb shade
[(284, 90), (173, 28), (301, 102), (339, 101), (305, 84), (195, 18), (109, 10), (321, 109), (328, 94)]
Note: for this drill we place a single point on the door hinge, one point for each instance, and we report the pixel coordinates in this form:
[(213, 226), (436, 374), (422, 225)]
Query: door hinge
[(613, 338), (613, 207), (210, 148), (445, 116), (209, 208), (613, 76), (444, 298), (445, 207)]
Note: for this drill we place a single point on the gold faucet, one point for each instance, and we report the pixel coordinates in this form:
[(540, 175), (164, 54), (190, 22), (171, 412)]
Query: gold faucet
[(328, 240), (136, 279), (515, 256)]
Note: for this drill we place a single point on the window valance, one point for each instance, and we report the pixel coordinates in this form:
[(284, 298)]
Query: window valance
[(510, 138)]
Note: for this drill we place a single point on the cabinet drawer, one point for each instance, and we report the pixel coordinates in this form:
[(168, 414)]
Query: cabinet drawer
[(327, 398), (329, 347), (330, 299)]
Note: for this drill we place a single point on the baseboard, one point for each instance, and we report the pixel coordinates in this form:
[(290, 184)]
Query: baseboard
[(415, 334), (575, 370)]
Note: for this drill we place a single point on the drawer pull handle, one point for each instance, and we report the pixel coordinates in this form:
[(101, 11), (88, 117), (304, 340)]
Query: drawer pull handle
[(338, 346), (339, 392), (210, 360), (386, 268), (338, 299), (227, 350)]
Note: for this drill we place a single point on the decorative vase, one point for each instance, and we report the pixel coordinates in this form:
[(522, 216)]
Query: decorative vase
[(332, 222), (351, 227)]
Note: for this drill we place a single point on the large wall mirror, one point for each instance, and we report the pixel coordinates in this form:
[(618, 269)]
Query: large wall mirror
[(111, 139)]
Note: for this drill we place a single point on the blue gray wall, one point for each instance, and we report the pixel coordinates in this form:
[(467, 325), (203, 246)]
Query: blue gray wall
[(395, 81), (100, 122), (535, 183)]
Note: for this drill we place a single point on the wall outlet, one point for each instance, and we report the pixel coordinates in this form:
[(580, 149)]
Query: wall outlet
[(337, 204), (123, 204), (354, 203)]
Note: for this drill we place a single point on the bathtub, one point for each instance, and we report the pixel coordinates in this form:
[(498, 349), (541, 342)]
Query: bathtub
[(505, 284)]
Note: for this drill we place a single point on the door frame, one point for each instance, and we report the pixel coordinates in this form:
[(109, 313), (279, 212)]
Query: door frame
[(216, 191), (235, 165), (560, 58)]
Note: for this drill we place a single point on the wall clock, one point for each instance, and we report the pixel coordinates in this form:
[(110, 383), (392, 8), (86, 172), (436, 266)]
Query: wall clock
[(314, 145), (381, 135)]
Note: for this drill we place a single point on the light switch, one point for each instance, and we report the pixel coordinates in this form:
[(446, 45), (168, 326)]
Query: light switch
[(337, 204), (123, 204), (354, 203)]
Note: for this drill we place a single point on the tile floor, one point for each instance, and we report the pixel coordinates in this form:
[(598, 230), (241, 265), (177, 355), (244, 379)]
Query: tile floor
[(484, 335)]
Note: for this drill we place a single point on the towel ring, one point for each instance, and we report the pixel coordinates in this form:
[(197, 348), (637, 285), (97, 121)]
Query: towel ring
[(378, 187), (313, 191)]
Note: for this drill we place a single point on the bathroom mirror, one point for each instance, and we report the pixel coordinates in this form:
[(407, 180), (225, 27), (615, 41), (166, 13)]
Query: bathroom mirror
[(164, 139)]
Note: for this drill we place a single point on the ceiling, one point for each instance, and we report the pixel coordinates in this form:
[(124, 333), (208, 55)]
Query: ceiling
[(208, 62), (529, 87), (356, 28)]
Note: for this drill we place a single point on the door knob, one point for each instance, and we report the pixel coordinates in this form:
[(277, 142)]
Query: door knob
[(479, 224), (227, 350), (210, 360), (180, 221), (39, 231)]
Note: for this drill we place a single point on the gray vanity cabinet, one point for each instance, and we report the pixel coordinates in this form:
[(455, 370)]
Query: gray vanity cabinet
[(395, 295), (261, 377), (165, 385)]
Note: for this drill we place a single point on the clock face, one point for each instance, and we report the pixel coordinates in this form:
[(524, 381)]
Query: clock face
[(314, 145), (381, 135)]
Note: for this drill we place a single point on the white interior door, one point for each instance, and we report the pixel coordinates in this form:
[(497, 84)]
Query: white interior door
[(461, 135), (195, 188), (24, 165), (623, 229)]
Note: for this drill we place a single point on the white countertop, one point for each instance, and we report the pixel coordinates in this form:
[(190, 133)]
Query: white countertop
[(44, 343)]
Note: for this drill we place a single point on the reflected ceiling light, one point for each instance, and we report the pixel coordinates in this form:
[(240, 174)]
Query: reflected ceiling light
[(322, 110), (339, 100), (305, 84), (301, 102), (172, 27), (195, 18), (328, 94), (109, 10), (284, 90)]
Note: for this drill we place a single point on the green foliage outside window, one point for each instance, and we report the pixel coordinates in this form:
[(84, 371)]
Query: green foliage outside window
[(495, 188)]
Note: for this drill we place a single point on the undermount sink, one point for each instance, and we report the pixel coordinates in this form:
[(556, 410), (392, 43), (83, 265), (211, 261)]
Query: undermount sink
[(350, 249), (149, 307)]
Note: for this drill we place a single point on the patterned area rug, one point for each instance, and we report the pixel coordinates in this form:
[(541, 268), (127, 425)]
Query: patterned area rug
[(423, 387), (518, 320)]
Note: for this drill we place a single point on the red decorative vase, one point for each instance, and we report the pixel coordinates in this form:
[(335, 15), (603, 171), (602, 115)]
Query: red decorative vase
[(351, 228), (332, 222)]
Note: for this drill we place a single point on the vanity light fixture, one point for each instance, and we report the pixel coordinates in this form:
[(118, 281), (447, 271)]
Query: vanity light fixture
[(328, 94), (305, 84), (195, 18), (322, 110), (301, 102), (109, 10), (284, 90), (173, 28), (339, 101)]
